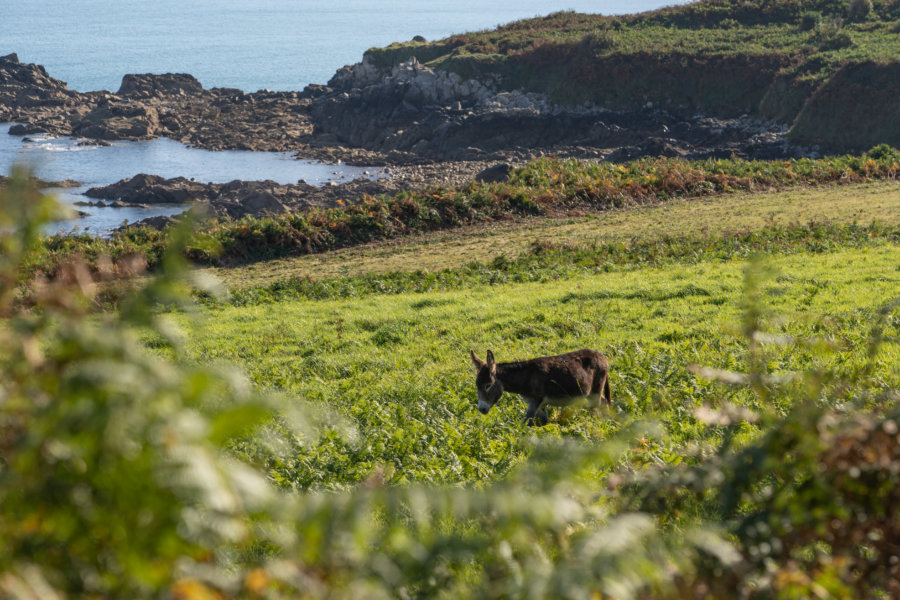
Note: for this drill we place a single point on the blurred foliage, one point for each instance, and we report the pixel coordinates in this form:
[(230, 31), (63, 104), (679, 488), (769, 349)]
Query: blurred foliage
[(115, 480), (112, 479)]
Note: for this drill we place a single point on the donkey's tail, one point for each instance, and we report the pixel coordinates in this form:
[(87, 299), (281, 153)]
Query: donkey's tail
[(606, 393)]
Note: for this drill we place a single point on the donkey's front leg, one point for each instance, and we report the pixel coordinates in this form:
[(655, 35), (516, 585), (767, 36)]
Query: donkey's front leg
[(535, 410)]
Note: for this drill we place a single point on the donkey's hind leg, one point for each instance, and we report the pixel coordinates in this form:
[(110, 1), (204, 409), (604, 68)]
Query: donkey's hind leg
[(599, 395)]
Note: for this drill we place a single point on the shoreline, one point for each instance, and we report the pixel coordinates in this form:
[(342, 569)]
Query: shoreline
[(406, 115), (427, 128)]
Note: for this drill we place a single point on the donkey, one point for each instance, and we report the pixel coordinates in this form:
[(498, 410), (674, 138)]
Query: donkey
[(545, 381)]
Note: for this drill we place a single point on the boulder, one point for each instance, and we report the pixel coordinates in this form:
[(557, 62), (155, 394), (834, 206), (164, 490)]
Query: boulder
[(657, 146), (495, 174), (115, 120), (158, 223), (262, 202), (152, 189), (27, 129), (149, 85)]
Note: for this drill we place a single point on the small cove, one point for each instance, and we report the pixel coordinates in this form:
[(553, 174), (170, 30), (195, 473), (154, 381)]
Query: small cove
[(278, 44), (56, 159)]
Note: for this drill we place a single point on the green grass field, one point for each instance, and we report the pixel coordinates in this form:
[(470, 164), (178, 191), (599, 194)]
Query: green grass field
[(395, 367), (752, 443), (714, 215)]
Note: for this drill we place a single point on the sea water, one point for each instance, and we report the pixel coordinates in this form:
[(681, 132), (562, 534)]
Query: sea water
[(263, 44), (251, 45), (56, 159)]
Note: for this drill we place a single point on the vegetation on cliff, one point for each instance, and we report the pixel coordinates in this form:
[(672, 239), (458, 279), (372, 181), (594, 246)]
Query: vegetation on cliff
[(829, 67)]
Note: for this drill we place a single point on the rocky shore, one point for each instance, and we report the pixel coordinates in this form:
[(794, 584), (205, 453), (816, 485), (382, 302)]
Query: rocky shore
[(430, 127), (240, 198), (41, 184), (408, 114)]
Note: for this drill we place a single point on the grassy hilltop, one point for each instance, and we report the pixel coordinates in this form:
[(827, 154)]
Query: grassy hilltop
[(830, 68)]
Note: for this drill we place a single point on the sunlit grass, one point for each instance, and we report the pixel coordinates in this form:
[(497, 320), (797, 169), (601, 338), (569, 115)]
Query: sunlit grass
[(714, 215), (397, 365)]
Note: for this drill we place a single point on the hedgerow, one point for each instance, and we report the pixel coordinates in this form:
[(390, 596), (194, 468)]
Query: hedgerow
[(543, 187)]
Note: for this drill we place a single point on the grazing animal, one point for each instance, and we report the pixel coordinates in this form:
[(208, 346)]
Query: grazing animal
[(544, 381)]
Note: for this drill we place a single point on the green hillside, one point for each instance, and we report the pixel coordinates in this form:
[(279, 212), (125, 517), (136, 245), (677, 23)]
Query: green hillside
[(828, 67)]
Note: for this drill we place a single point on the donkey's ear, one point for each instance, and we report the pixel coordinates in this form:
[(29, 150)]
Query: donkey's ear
[(492, 365), (476, 361)]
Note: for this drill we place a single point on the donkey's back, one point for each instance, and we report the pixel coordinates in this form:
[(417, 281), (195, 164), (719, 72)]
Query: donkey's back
[(564, 376)]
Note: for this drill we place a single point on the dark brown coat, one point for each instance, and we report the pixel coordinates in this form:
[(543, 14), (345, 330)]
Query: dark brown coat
[(544, 381)]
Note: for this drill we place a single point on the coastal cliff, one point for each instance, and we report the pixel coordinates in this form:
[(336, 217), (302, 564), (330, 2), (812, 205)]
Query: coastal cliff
[(714, 78), (822, 69)]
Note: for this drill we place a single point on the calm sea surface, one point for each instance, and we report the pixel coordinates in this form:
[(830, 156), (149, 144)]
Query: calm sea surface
[(251, 45), (247, 44)]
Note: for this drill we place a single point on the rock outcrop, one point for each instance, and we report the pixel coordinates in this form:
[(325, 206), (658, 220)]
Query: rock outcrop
[(414, 110), (151, 189), (236, 198), (408, 114), (27, 88), (149, 106), (157, 86)]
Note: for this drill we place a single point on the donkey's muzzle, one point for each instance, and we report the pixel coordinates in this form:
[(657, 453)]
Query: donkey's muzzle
[(483, 410)]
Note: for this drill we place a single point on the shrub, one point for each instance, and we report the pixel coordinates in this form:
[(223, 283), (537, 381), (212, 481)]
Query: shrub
[(837, 41), (859, 10), (809, 21), (828, 27), (597, 41), (885, 153), (729, 24)]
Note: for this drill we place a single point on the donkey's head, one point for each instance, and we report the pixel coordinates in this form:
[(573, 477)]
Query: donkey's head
[(489, 387)]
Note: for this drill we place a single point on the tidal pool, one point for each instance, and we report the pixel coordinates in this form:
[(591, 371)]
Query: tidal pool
[(60, 158)]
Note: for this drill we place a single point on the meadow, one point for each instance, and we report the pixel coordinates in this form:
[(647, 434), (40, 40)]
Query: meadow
[(397, 367), (312, 432), (702, 217)]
